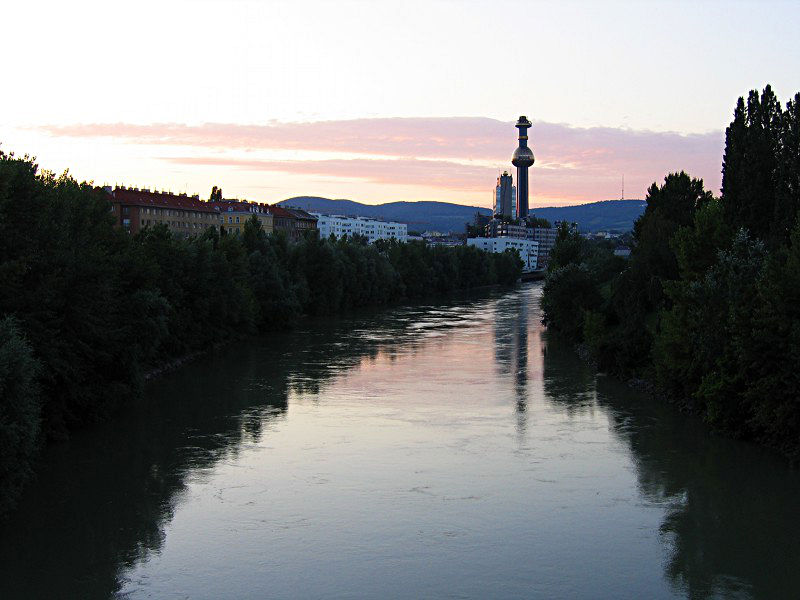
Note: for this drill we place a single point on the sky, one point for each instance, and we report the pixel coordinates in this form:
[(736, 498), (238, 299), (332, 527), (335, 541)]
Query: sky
[(383, 101)]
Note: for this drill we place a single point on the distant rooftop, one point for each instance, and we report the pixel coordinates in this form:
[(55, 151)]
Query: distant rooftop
[(144, 197)]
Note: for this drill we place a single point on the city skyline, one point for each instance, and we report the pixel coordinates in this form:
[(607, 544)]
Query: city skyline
[(271, 100)]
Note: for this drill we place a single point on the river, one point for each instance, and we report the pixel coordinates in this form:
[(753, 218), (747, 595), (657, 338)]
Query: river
[(455, 450)]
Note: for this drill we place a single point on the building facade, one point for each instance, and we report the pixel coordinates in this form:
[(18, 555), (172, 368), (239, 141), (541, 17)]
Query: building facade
[(339, 226), (304, 223), (436, 238), (184, 215), (546, 236), (528, 249), (284, 221), (499, 228), (233, 214)]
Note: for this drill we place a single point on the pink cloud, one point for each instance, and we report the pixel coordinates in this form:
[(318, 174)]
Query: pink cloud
[(477, 138), (573, 163), (407, 171)]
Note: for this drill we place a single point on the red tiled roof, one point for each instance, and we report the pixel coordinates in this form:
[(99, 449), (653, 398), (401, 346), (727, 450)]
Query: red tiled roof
[(281, 212), (301, 214), (145, 198), (239, 206)]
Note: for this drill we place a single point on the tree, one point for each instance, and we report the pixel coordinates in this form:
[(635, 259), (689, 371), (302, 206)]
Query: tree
[(771, 351), (570, 248), (750, 163), (253, 236), (20, 411), (216, 194), (669, 207), (540, 222), (787, 200)]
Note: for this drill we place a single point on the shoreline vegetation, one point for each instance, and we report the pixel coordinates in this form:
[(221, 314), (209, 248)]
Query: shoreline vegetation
[(89, 312), (707, 308)]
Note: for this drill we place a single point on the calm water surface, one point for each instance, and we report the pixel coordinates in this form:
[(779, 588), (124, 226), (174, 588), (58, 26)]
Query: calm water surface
[(451, 451)]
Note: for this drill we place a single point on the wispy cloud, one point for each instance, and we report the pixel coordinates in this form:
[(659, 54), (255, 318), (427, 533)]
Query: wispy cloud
[(446, 153), (476, 138), (409, 171)]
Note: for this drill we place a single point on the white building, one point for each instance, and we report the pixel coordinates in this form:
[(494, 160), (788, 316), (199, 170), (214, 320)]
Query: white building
[(528, 249), (372, 229)]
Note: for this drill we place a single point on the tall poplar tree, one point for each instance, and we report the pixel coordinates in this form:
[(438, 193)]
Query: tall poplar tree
[(750, 163), (787, 201)]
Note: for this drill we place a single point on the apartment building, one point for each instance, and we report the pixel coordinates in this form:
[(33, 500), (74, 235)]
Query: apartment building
[(233, 214), (304, 222), (134, 209), (528, 249), (339, 226)]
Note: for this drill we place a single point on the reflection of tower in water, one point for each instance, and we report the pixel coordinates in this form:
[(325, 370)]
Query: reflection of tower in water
[(511, 349), (521, 351)]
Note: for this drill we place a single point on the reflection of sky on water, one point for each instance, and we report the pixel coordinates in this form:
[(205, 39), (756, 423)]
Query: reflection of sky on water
[(448, 450)]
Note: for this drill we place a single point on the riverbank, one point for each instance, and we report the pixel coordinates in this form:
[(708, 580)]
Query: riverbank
[(454, 295), (686, 406)]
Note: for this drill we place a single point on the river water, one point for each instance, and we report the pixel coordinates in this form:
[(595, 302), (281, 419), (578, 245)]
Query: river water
[(448, 451)]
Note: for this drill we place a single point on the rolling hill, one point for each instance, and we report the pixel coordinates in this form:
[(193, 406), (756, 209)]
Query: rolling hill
[(610, 215)]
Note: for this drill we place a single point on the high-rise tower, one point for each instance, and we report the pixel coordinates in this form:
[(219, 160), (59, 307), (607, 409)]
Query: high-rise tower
[(522, 159), (505, 197)]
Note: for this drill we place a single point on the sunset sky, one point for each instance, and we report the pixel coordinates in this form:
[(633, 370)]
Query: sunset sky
[(381, 101)]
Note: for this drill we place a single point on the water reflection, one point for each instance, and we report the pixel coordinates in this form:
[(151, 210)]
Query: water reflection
[(726, 510), (510, 331), (100, 503), (731, 525)]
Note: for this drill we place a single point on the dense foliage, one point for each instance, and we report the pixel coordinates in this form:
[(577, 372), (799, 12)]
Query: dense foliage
[(86, 310), (19, 410), (708, 305)]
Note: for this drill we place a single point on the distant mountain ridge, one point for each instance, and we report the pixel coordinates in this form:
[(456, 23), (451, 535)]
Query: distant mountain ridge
[(616, 216), (608, 215)]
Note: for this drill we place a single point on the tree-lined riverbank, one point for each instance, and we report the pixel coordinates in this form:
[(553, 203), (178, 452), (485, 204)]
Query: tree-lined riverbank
[(86, 309), (708, 306)]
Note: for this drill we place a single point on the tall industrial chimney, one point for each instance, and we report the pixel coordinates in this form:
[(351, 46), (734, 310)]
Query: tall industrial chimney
[(522, 159)]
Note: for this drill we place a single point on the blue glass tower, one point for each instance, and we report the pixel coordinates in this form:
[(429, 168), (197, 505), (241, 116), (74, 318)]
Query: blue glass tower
[(522, 159), (505, 197)]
